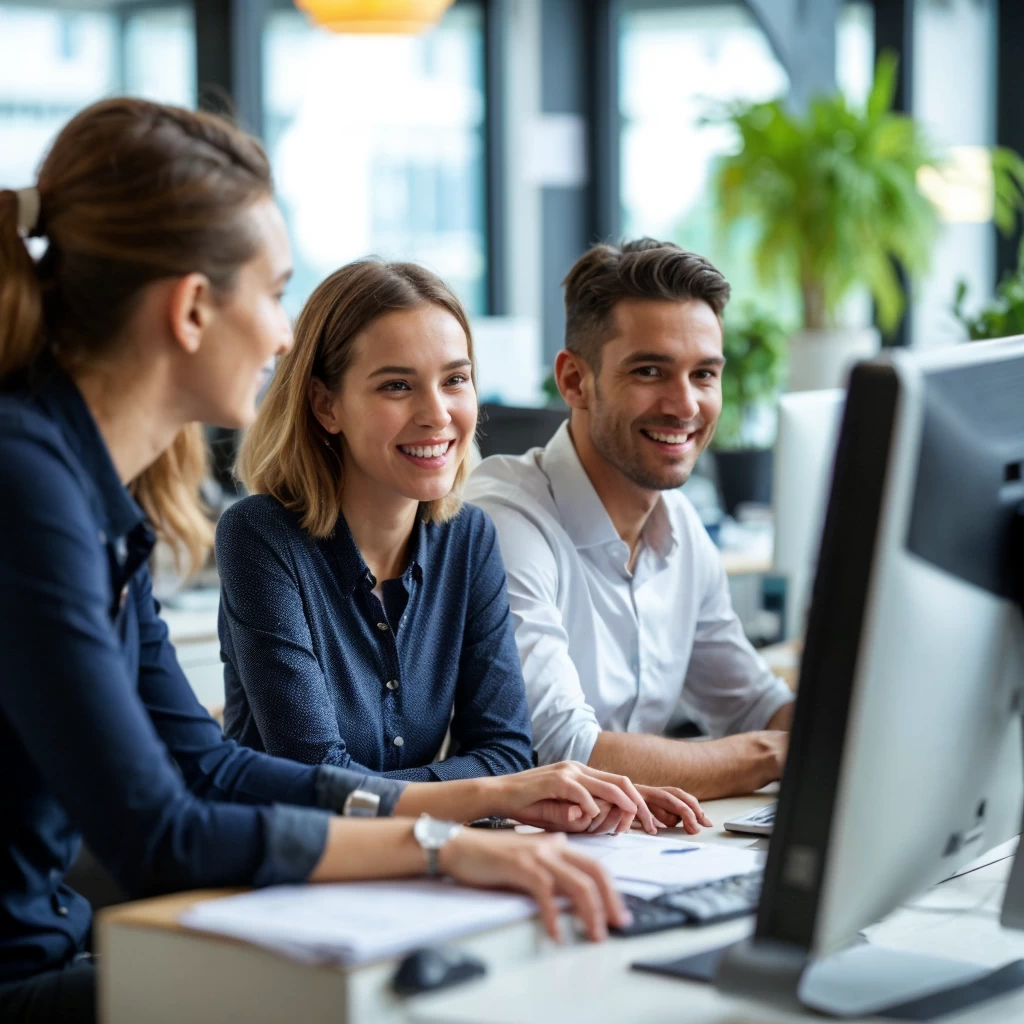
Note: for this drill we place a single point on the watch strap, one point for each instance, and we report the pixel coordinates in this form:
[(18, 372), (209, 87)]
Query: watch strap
[(361, 803)]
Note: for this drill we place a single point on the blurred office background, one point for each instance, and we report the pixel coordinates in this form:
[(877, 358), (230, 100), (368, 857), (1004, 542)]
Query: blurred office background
[(499, 143)]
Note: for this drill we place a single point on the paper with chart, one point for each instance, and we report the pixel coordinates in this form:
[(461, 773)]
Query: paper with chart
[(649, 863), (352, 923)]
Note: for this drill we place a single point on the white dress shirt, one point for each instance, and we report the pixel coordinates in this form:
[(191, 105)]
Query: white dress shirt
[(602, 647)]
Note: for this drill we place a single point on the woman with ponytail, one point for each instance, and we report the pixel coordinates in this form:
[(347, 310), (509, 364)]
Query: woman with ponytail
[(156, 306)]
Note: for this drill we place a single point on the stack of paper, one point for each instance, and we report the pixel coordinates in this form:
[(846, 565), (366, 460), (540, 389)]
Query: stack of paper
[(356, 922), (644, 865), (360, 921)]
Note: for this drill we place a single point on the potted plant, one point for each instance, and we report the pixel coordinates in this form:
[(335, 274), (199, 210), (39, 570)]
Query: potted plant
[(754, 345), (832, 196)]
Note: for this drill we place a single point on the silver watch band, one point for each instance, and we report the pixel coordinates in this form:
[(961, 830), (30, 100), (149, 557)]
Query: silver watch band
[(433, 868), (361, 803)]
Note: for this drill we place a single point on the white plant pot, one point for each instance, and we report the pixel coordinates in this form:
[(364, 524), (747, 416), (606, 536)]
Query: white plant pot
[(823, 359)]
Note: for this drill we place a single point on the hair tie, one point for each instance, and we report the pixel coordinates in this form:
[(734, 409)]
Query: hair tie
[(28, 210)]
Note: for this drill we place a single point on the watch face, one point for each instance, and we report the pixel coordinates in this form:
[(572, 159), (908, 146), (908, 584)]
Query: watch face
[(432, 834)]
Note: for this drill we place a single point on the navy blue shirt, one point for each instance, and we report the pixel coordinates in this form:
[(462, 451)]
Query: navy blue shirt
[(318, 669), (100, 733)]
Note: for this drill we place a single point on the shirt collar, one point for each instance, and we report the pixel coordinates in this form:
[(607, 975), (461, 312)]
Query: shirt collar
[(580, 508), (116, 509), (355, 569)]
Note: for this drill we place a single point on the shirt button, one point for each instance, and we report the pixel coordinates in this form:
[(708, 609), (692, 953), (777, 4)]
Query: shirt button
[(382, 626), (392, 684), (399, 742), (63, 911)]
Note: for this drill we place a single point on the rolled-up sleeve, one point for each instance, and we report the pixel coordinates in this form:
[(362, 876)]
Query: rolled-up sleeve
[(727, 681), (333, 786), (565, 726)]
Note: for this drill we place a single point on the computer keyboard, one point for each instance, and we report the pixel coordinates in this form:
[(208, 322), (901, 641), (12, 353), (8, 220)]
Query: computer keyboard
[(709, 903), (759, 822)]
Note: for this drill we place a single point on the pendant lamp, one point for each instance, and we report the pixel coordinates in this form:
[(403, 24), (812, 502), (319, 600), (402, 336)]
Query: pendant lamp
[(377, 16)]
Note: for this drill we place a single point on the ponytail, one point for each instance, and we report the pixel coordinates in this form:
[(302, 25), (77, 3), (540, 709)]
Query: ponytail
[(21, 294), (168, 491)]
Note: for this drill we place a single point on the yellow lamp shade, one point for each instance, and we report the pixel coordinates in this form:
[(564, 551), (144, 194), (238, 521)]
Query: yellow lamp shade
[(376, 16)]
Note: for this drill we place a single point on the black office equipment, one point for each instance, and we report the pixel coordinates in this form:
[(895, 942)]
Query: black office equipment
[(905, 761), (720, 900), (428, 969), (509, 430)]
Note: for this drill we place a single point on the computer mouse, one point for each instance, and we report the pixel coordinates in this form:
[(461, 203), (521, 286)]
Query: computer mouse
[(426, 970)]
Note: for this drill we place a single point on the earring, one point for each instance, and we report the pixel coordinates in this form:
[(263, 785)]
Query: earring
[(327, 441)]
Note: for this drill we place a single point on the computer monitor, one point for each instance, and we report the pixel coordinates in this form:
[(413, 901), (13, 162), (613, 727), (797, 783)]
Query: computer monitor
[(804, 449), (905, 759)]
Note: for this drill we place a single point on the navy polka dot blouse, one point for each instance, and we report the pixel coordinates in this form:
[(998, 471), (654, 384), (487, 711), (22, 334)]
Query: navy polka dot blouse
[(318, 669)]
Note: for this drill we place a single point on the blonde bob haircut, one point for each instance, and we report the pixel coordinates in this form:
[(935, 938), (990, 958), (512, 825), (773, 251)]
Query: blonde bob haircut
[(286, 452)]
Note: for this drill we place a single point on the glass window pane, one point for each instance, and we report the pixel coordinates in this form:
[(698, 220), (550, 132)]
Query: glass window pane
[(160, 55), (54, 61), (377, 144)]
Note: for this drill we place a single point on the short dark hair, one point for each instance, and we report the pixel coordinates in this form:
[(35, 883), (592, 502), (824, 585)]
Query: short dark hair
[(643, 269)]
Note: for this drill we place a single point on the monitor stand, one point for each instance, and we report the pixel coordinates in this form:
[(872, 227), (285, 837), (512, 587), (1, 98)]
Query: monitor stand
[(864, 979)]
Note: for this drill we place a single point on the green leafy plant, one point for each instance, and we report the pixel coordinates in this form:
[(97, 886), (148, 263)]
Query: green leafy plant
[(1002, 317), (1008, 193), (754, 344), (833, 196)]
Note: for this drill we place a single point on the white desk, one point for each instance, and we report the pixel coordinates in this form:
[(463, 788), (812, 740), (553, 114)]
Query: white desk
[(153, 970), (595, 984)]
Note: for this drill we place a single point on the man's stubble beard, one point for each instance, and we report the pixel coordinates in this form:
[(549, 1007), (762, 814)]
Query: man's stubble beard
[(613, 445)]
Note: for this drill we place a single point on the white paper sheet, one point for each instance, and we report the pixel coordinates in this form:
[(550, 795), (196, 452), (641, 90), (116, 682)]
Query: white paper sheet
[(356, 922), (666, 862)]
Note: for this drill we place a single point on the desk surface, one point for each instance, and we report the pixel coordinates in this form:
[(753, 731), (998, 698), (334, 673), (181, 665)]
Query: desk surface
[(529, 979), (588, 983)]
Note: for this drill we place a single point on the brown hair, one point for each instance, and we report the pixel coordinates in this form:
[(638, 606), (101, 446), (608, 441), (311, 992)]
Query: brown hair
[(643, 269), (130, 192), (284, 452)]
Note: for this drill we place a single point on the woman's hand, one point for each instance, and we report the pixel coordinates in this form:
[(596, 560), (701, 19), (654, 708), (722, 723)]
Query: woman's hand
[(544, 867), (669, 805), (570, 796), (673, 806)]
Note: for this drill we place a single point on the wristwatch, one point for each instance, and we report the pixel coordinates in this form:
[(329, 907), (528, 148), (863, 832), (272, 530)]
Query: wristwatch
[(361, 803), (432, 834)]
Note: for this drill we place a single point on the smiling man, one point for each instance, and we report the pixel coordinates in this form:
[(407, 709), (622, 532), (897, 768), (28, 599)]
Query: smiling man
[(620, 601)]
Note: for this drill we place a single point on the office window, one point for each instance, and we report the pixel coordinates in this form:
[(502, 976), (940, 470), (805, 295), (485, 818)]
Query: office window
[(54, 60), (677, 62), (377, 144)]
